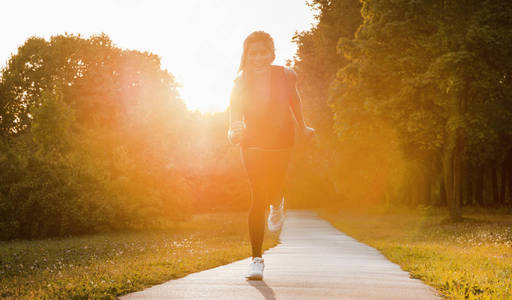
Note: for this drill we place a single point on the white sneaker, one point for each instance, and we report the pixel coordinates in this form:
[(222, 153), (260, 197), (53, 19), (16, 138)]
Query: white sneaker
[(256, 269), (276, 217)]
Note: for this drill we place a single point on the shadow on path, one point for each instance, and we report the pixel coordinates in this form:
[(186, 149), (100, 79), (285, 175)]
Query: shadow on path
[(263, 288)]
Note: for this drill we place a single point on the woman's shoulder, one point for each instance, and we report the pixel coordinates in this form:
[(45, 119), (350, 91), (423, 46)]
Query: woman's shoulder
[(238, 78), (290, 73), (238, 81), (237, 85)]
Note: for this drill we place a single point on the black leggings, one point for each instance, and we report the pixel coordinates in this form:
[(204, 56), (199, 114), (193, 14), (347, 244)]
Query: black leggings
[(267, 173)]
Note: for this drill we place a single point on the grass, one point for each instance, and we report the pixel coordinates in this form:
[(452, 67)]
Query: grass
[(104, 266), (471, 259)]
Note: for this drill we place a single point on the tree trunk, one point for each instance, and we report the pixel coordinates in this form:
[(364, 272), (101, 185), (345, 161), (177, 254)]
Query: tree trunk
[(463, 184), (479, 186), (457, 185), (506, 179), (442, 192), (508, 164), (503, 185), (494, 185), (422, 195), (428, 189), (509, 175), (471, 185), (451, 184)]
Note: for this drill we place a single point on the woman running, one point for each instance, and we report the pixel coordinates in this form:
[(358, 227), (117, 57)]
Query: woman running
[(264, 105)]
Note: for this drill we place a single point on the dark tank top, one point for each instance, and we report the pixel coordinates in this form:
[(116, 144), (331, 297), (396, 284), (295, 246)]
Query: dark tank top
[(269, 122)]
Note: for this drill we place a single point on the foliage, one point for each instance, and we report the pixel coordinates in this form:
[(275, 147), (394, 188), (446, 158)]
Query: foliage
[(87, 131), (316, 63), (423, 87)]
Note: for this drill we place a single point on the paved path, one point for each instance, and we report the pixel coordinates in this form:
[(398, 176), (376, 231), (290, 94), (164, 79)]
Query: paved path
[(313, 261)]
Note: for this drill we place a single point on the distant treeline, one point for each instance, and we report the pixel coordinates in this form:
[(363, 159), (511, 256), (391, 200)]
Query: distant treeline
[(412, 99)]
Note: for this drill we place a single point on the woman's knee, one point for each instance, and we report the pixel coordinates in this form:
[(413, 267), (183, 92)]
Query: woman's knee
[(259, 198)]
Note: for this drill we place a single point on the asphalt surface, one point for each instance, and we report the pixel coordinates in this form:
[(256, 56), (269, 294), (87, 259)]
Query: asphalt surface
[(314, 260)]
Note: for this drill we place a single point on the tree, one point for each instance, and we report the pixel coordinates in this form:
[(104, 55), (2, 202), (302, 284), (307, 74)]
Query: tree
[(88, 131), (422, 68)]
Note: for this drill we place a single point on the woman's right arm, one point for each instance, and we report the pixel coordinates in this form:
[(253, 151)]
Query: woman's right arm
[(235, 115)]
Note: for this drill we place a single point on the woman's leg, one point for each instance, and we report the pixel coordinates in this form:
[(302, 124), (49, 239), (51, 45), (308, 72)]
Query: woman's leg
[(276, 175), (255, 164)]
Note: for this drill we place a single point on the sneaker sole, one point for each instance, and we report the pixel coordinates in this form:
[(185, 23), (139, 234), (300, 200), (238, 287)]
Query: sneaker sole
[(254, 277), (274, 229)]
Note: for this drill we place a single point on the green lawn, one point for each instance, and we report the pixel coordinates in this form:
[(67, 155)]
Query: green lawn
[(102, 266), (467, 260)]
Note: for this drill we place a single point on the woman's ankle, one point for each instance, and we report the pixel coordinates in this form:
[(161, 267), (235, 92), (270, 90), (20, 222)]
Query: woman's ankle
[(277, 203)]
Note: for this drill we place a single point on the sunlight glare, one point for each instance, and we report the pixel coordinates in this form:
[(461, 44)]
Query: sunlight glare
[(198, 41)]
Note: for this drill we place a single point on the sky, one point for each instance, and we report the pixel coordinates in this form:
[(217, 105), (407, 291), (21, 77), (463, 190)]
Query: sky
[(199, 41)]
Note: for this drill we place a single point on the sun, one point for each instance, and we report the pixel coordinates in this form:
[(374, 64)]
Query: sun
[(206, 89)]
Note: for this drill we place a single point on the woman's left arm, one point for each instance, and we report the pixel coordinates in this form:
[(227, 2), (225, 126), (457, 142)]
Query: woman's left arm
[(295, 101), (296, 104)]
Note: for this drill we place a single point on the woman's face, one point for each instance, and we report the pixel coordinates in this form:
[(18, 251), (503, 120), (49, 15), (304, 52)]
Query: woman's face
[(259, 55)]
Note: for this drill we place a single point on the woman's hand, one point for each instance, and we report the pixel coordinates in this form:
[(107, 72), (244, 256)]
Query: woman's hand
[(235, 133), (309, 133)]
